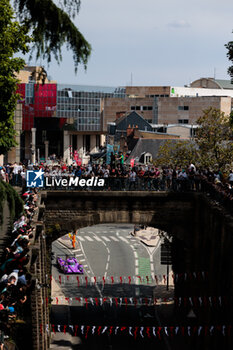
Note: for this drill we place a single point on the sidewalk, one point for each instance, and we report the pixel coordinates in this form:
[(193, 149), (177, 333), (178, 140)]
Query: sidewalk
[(148, 236)]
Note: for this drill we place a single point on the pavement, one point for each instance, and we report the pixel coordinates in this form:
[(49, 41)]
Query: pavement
[(63, 341), (149, 236)]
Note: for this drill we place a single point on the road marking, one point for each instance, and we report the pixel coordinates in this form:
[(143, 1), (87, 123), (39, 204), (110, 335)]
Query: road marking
[(106, 239), (89, 238), (114, 238), (82, 260), (97, 238), (81, 239), (152, 264), (123, 239), (78, 254)]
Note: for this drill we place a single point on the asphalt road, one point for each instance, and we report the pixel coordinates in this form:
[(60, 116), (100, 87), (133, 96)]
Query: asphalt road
[(114, 259)]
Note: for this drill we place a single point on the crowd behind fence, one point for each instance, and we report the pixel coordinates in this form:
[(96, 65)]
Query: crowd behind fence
[(125, 178)]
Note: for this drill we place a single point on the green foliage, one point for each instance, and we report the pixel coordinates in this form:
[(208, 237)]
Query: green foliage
[(214, 139), (7, 192), (229, 47), (52, 27), (13, 39), (212, 147), (176, 153), (231, 120)]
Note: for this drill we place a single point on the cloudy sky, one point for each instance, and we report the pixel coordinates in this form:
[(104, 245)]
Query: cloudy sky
[(151, 42)]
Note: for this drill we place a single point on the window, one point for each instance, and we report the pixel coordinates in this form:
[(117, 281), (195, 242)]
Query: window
[(183, 108), (183, 121), (132, 108), (137, 108)]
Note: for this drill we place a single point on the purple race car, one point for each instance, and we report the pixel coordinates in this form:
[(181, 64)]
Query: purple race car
[(69, 265)]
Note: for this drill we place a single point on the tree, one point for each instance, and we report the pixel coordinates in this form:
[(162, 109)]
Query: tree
[(229, 47), (214, 139), (13, 39), (212, 146), (176, 153), (52, 27)]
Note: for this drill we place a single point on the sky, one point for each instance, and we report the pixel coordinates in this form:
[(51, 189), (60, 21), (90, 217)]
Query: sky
[(149, 42)]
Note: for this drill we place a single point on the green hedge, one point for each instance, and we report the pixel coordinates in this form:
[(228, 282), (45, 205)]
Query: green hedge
[(7, 192)]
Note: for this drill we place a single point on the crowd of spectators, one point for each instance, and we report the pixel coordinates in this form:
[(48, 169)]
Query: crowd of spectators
[(15, 280), (121, 177), (124, 177)]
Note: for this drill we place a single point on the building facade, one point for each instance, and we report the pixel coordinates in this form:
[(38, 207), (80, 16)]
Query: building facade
[(58, 119)]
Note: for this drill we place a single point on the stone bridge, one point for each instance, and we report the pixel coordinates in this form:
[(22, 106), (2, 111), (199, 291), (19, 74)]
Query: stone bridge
[(202, 231)]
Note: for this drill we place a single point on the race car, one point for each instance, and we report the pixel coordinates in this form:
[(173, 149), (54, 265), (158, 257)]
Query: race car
[(69, 265)]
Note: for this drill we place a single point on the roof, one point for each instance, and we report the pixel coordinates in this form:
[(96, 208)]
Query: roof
[(224, 84), (147, 146), (133, 119)]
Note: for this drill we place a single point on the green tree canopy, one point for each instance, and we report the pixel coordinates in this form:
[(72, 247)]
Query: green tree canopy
[(13, 39), (51, 26), (177, 153), (214, 139), (212, 146)]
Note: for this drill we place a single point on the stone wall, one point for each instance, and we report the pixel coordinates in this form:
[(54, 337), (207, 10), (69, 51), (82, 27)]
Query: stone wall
[(202, 231)]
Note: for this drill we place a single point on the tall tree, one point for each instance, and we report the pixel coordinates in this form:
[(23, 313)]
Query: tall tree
[(212, 146), (177, 153), (214, 139), (229, 47), (13, 39), (51, 26)]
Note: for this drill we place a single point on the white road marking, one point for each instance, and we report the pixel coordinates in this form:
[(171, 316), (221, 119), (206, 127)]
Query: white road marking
[(81, 239), (82, 260), (89, 238), (114, 238), (96, 286), (123, 239), (97, 238), (106, 239)]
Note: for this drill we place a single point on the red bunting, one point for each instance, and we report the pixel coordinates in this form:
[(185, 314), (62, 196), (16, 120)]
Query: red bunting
[(148, 332), (150, 279), (88, 328), (99, 330), (159, 332)]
